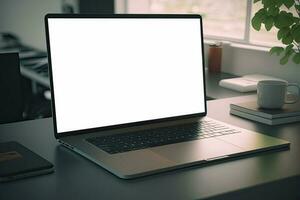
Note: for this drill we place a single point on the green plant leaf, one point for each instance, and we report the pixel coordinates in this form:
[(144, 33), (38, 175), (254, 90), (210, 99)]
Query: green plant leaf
[(268, 23), (287, 54), (295, 31), (255, 1), (267, 3), (258, 18), (283, 19), (297, 7), (294, 28), (279, 3), (296, 58), (297, 38), (256, 22), (273, 11), (288, 3), (289, 49), (282, 33), (277, 50), (284, 59), (288, 39)]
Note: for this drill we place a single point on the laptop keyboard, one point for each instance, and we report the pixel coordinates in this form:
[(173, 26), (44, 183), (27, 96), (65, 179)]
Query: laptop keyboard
[(160, 136)]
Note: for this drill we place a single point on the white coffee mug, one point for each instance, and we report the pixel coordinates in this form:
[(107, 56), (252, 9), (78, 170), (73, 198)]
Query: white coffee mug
[(271, 94)]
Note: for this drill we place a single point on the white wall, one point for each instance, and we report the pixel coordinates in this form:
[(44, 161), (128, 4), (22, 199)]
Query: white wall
[(242, 59), (25, 18)]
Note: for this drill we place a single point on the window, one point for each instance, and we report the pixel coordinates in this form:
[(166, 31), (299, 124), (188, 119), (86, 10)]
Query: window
[(222, 19)]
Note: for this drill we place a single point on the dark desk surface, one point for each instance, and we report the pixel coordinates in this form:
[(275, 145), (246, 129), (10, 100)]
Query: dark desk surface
[(214, 91), (270, 174)]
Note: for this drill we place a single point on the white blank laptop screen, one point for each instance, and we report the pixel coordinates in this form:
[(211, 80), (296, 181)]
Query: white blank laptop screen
[(109, 71)]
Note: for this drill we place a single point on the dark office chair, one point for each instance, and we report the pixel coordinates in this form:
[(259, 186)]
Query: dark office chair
[(11, 101)]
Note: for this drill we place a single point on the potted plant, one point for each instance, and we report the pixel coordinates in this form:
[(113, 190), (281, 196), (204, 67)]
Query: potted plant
[(273, 14)]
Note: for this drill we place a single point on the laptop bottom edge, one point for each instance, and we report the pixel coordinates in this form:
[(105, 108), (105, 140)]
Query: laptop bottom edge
[(123, 174)]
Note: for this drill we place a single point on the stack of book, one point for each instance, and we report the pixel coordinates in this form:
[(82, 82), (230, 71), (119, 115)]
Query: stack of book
[(249, 110)]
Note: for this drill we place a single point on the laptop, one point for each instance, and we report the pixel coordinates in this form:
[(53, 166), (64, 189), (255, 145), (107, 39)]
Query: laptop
[(128, 93)]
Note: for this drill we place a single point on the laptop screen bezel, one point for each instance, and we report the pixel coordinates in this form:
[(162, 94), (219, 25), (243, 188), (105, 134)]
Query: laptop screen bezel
[(126, 125)]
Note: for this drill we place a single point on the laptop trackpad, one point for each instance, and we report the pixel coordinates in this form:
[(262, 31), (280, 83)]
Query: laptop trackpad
[(196, 150)]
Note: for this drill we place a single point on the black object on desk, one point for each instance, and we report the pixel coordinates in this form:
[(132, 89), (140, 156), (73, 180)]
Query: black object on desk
[(16, 162), (11, 101)]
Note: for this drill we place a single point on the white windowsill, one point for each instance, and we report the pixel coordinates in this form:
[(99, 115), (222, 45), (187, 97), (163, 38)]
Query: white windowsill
[(240, 45)]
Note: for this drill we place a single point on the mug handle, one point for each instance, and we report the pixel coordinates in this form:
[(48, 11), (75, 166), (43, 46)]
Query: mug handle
[(297, 86)]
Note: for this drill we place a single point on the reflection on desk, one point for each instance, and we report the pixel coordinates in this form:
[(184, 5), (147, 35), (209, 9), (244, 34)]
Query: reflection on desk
[(214, 91)]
